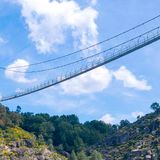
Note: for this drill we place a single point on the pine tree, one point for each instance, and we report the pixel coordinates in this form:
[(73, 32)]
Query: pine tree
[(73, 156), (79, 144), (82, 156), (96, 156)]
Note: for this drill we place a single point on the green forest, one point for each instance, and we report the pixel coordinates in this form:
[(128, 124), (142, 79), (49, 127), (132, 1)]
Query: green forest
[(72, 139)]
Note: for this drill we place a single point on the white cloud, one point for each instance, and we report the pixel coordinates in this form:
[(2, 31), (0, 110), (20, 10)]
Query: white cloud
[(93, 2), (130, 80), (91, 82), (18, 77), (136, 114), (48, 22), (100, 78), (2, 40), (107, 118)]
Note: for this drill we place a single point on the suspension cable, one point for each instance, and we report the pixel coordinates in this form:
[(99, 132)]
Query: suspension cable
[(81, 50)]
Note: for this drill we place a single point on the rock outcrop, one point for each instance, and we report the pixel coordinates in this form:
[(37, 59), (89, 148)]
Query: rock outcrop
[(17, 144)]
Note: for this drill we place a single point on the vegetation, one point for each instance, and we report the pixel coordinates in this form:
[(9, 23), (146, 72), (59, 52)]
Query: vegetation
[(15, 144), (66, 133), (77, 141), (138, 140), (62, 133), (156, 107)]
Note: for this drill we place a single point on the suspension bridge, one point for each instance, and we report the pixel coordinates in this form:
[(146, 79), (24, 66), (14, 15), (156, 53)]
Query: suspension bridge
[(93, 57)]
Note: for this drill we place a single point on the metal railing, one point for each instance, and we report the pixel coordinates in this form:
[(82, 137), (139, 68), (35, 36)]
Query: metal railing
[(91, 62)]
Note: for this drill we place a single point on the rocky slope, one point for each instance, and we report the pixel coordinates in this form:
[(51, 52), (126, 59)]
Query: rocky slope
[(136, 141), (17, 144)]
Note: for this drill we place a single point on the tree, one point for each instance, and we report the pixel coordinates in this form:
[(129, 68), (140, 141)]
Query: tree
[(47, 129), (82, 156), (8, 118), (114, 128), (73, 119), (138, 117), (96, 156), (18, 109), (50, 145), (41, 140), (15, 118), (124, 123), (99, 126), (73, 156), (156, 107), (5, 120), (60, 148), (78, 144)]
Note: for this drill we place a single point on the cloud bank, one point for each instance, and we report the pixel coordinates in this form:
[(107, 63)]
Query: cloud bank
[(99, 79), (110, 119), (129, 79), (50, 21), (91, 82)]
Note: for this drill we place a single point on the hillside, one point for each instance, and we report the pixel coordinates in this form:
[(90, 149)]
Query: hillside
[(17, 144), (136, 141), (28, 136)]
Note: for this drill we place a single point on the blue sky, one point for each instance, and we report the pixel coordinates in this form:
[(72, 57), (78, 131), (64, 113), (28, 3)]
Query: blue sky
[(33, 30)]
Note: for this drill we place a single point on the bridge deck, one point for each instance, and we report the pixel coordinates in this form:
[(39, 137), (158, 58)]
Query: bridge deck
[(96, 60)]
